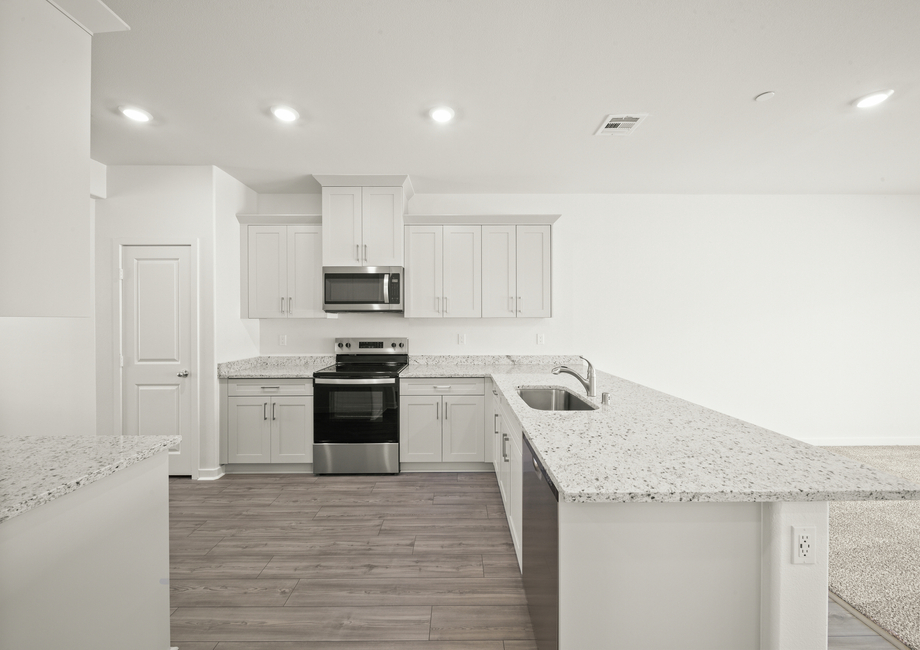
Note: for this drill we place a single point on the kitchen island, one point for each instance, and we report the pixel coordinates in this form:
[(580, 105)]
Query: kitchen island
[(84, 542), (675, 521)]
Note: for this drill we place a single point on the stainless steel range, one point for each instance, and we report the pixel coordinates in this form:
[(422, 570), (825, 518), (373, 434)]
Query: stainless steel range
[(356, 408)]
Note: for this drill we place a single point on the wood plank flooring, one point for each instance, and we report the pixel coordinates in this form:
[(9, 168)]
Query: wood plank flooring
[(289, 562), (407, 562)]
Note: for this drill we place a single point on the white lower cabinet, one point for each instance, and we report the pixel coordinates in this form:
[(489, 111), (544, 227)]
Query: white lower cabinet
[(509, 470), (271, 427), (441, 420)]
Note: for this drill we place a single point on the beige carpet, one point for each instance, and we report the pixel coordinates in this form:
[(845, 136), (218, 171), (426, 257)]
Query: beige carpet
[(874, 562)]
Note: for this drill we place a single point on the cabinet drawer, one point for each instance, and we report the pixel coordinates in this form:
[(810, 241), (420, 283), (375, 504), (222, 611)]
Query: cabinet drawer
[(268, 387), (442, 386)]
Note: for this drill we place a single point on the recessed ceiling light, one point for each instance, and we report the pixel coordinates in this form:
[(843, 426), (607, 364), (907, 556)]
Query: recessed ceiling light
[(442, 114), (873, 99), (135, 113), (762, 97), (285, 113)]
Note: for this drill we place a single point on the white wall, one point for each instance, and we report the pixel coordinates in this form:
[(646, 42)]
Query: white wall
[(46, 324), (797, 313)]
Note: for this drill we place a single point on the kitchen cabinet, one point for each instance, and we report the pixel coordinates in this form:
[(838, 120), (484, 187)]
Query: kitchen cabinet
[(517, 262), (443, 271), (441, 420), (363, 226), (270, 421), (285, 271), (509, 471)]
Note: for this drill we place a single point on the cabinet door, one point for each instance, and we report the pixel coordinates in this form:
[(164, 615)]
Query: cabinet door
[(342, 226), (305, 272), (534, 277), (292, 429), (499, 271), (423, 271), (248, 430), (382, 226), (462, 271), (463, 437), (420, 429), (503, 470), (267, 271), (515, 514)]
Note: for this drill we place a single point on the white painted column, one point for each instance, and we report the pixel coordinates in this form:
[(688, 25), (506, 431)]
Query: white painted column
[(793, 596)]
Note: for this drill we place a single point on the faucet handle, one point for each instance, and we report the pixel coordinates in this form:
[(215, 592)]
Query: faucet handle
[(590, 367)]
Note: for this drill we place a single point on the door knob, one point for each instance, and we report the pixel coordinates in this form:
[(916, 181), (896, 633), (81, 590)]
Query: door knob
[(184, 373)]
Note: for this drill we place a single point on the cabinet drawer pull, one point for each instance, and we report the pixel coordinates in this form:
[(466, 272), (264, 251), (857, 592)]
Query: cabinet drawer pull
[(520, 304), (495, 425), (271, 387), (441, 387), (264, 415), (358, 252), (511, 304), (437, 411), (437, 304), (273, 410), (365, 252), (446, 412), (282, 305), (504, 453), (445, 304)]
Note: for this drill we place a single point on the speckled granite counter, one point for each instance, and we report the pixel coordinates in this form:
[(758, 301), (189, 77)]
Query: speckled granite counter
[(646, 446), (37, 469), (278, 367)]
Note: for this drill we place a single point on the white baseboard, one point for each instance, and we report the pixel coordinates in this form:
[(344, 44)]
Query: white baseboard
[(864, 441), (211, 474)]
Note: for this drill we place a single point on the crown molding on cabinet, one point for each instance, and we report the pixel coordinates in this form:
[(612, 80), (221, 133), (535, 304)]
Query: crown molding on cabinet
[(368, 180), (93, 16), (247, 219), (480, 219)]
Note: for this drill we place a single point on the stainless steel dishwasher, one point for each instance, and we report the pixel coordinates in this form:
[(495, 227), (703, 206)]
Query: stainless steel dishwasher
[(540, 550)]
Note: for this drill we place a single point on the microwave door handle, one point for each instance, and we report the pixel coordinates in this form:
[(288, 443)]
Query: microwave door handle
[(386, 288)]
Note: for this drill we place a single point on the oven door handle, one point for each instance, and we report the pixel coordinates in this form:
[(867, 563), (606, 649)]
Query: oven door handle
[(354, 382)]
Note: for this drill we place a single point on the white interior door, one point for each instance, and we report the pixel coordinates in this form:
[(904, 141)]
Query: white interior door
[(157, 384)]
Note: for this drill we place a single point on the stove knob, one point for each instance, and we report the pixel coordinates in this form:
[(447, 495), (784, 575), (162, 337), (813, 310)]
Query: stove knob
[(341, 345), (402, 345), (348, 345), (393, 345)]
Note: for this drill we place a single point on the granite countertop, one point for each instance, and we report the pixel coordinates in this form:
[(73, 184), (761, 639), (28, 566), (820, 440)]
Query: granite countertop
[(37, 469), (294, 367), (646, 446)]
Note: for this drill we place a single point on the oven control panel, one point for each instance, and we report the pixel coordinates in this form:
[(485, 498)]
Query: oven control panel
[(372, 346)]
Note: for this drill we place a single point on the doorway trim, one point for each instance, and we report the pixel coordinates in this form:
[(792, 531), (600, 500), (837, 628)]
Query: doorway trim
[(118, 246)]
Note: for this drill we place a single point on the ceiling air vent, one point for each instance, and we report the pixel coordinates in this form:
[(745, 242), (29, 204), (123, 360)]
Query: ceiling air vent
[(620, 124)]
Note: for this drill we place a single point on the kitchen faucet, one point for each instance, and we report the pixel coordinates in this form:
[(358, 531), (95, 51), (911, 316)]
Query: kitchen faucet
[(589, 382)]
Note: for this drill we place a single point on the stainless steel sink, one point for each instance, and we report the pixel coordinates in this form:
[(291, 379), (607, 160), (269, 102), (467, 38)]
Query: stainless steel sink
[(553, 399)]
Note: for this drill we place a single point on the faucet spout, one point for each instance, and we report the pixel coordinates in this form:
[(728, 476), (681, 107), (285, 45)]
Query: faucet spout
[(589, 382)]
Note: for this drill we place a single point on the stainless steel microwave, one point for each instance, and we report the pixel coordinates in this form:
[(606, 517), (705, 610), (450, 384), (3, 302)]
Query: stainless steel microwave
[(363, 288)]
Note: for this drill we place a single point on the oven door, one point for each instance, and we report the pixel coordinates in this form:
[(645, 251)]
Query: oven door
[(355, 410)]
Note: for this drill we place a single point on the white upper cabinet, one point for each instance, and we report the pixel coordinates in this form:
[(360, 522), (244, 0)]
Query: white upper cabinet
[(462, 271), (516, 263), (443, 272), (534, 272), (499, 268), (363, 226), (285, 272), (424, 267)]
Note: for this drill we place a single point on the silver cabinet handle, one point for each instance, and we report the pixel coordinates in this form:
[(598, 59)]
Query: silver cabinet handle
[(495, 424), (511, 304), (264, 406), (290, 305), (184, 373), (358, 252), (437, 410), (365, 252), (447, 411), (441, 387), (270, 387), (504, 453), (273, 410), (445, 304), (437, 304)]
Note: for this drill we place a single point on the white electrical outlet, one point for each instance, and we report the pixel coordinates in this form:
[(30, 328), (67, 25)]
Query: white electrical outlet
[(282, 339), (541, 339), (461, 339), (803, 545)]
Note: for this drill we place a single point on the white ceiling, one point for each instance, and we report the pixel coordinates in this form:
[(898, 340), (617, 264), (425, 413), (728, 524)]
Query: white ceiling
[(531, 80)]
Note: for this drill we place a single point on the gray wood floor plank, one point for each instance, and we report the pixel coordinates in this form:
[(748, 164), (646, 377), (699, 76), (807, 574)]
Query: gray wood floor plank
[(230, 593), (406, 511), (217, 567), (374, 566), (467, 498), (481, 544), (504, 565), (453, 623), (408, 591), (520, 645), (359, 645), (312, 544), (192, 545), (841, 623), (874, 642), (354, 498), (300, 624), (450, 527)]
